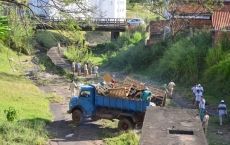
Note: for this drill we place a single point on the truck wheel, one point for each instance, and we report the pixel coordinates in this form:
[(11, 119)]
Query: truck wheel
[(125, 124), (77, 117)]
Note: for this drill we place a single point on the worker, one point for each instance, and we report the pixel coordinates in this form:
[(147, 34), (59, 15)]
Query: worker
[(146, 94), (171, 85), (85, 70), (202, 107), (193, 93), (205, 121), (198, 94), (73, 87), (73, 66), (222, 110), (90, 65), (79, 68), (96, 70)]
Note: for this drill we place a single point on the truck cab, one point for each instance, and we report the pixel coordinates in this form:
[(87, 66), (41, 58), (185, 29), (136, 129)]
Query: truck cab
[(82, 106)]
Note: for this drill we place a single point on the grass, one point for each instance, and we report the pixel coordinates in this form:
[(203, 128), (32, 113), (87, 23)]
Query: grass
[(111, 135), (31, 103), (212, 133)]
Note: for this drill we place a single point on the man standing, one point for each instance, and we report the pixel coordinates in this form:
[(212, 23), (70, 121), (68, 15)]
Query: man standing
[(171, 85), (73, 87), (205, 121), (202, 107), (96, 70), (85, 70), (194, 92), (73, 66), (90, 65), (146, 94), (79, 68), (222, 110), (198, 94)]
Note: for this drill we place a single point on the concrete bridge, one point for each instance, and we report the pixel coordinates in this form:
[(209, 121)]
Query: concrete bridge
[(113, 25)]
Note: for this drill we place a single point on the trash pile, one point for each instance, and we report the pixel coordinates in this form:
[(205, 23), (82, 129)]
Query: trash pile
[(129, 89)]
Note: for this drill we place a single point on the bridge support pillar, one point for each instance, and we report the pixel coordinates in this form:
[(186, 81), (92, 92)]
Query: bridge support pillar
[(114, 35)]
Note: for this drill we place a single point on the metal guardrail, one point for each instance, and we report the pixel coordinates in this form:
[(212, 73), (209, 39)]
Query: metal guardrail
[(89, 21)]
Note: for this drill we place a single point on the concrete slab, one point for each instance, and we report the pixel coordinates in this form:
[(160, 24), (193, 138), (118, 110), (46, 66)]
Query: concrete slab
[(170, 126)]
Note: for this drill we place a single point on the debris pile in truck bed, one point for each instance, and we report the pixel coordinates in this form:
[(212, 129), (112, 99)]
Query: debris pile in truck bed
[(130, 89)]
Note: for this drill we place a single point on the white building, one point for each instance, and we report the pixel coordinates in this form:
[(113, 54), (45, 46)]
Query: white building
[(89, 8)]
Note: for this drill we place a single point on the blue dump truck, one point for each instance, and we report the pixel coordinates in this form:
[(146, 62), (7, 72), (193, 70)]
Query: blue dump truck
[(93, 101)]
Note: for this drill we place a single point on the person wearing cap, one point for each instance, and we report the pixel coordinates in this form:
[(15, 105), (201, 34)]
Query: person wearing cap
[(171, 85), (202, 107), (222, 110), (146, 94), (205, 121), (198, 94)]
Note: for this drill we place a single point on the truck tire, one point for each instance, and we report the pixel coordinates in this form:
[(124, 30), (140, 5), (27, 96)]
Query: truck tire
[(125, 124), (77, 117)]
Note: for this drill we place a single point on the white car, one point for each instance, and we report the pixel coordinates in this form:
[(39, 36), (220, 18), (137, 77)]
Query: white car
[(135, 21)]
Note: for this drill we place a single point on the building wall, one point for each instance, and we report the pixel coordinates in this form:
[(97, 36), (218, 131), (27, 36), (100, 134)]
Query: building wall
[(99, 8), (157, 28), (217, 35)]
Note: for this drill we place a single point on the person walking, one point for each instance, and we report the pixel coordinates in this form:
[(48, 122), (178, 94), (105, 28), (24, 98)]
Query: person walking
[(96, 70), (194, 92), (73, 66), (222, 110), (198, 94), (85, 70), (79, 68), (171, 85), (202, 107), (73, 87), (205, 121), (90, 65)]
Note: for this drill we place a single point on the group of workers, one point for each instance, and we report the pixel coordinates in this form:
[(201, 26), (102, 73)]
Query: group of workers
[(88, 68), (200, 102)]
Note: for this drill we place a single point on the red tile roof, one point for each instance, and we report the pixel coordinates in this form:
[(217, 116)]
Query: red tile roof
[(191, 8), (220, 20)]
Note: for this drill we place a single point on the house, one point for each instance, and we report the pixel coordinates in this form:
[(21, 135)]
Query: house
[(196, 17), (90, 8)]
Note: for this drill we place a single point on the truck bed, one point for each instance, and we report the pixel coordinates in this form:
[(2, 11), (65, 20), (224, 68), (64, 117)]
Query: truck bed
[(121, 103)]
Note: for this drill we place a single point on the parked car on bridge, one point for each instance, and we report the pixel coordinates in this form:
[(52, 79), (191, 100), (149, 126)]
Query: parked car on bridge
[(135, 21)]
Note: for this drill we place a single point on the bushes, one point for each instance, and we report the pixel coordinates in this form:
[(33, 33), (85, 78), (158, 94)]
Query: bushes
[(183, 61)]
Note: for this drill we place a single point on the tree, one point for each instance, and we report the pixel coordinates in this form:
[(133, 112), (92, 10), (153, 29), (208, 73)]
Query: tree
[(23, 15), (3, 27), (178, 21)]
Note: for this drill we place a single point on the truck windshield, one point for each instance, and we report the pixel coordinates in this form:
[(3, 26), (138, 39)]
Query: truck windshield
[(85, 94)]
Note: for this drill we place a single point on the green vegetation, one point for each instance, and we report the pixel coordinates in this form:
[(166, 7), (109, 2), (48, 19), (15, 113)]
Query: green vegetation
[(111, 136), (20, 93)]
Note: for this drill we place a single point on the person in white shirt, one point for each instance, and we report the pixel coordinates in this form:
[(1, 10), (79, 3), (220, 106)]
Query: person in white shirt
[(222, 110), (198, 94), (194, 92), (79, 68), (96, 70), (171, 85), (73, 87), (202, 107), (73, 66)]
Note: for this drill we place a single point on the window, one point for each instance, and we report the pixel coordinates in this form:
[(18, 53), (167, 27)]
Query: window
[(85, 94)]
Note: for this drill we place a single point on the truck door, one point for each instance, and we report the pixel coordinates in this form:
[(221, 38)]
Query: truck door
[(86, 102)]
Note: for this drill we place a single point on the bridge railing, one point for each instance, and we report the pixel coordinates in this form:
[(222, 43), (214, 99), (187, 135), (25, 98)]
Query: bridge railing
[(93, 21)]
